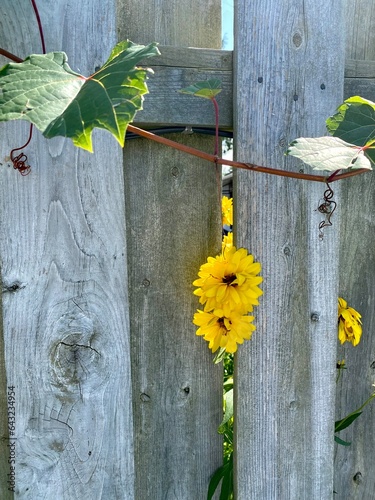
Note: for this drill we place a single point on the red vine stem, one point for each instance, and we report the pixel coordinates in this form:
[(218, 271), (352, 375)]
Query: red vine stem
[(236, 164), (17, 59), (10, 56), (215, 159), (19, 162), (39, 25), (216, 106)]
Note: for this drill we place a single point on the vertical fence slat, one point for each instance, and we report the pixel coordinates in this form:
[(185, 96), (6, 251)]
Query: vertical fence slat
[(354, 465), (64, 282), (288, 79), (173, 218)]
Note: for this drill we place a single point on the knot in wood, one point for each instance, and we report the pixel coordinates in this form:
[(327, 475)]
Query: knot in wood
[(315, 317), (357, 478), (76, 362), (297, 39)]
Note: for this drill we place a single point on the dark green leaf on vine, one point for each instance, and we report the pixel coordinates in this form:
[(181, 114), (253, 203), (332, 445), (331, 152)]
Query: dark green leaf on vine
[(354, 122), (207, 89), (341, 441), (345, 422), (45, 91)]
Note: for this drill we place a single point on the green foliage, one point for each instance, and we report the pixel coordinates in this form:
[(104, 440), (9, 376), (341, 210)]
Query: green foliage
[(207, 89), (351, 143), (44, 90), (349, 419), (345, 422), (225, 472), (328, 153), (225, 475), (354, 122)]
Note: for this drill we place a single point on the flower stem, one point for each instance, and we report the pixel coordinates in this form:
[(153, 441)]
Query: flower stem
[(216, 106)]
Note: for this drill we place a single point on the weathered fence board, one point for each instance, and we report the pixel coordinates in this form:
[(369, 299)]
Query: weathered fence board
[(173, 223), (64, 283), (354, 465), (289, 69), (177, 68)]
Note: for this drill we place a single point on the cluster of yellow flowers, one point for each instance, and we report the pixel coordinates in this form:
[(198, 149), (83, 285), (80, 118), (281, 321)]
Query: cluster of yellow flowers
[(228, 290), (350, 325)]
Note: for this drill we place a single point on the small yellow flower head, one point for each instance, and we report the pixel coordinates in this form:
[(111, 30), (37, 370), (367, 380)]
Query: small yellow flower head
[(223, 331), (227, 241), (227, 210), (340, 365), (229, 282), (350, 325)]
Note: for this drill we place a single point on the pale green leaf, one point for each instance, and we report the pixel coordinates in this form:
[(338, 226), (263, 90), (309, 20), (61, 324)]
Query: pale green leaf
[(228, 403), (45, 91), (207, 89), (328, 153)]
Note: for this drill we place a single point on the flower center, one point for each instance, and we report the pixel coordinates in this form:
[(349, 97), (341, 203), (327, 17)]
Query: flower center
[(221, 323), (228, 280)]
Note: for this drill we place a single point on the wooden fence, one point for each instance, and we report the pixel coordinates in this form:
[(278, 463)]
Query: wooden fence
[(115, 396)]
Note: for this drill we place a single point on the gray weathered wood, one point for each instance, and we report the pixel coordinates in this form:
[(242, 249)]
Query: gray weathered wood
[(359, 76), (360, 26), (173, 221), (359, 68), (354, 465), (64, 282), (177, 68), (289, 68), (364, 87)]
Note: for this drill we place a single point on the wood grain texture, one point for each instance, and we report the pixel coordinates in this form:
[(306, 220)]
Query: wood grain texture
[(360, 26), (354, 465), (177, 68), (180, 24), (289, 68), (359, 68), (364, 87), (173, 224), (64, 283)]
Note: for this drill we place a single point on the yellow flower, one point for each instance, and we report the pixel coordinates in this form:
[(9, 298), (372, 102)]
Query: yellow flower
[(227, 241), (350, 325), (227, 210), (229, 282), (223, 331)]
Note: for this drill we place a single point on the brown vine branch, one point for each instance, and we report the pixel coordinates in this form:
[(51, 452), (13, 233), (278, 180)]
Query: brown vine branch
[(220, 161), (236, 164), (10, 56)]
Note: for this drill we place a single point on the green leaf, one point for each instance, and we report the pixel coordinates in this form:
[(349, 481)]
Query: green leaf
[(45, 91), (225, 473), (228, 384), (207, 89), (354, 122), (226, 492), (345, 422), (342, 442), (219, 356), (228, 403), (328, 153)]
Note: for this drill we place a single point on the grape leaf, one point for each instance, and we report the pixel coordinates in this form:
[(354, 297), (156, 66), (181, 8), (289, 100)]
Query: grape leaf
[(44, 90), (207, 89), (328, 153), (354, 122)]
